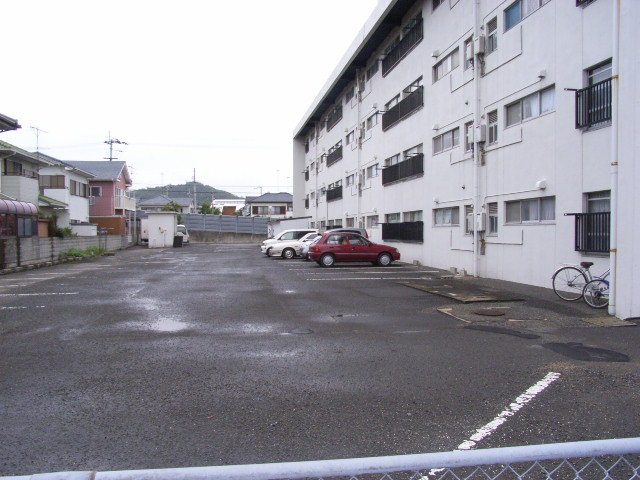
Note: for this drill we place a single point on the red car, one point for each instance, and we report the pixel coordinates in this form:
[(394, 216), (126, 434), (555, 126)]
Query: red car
[(350, 247)]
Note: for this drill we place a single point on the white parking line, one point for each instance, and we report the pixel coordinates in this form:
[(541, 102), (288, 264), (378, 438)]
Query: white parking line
[(20, 308), (339, 272), (364, 278), (34, 294)]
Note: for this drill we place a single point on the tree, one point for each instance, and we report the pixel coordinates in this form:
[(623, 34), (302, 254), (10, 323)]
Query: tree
[(173, 207), (205, 207)]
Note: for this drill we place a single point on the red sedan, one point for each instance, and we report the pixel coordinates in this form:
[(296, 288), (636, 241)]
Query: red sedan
[(350, 247)]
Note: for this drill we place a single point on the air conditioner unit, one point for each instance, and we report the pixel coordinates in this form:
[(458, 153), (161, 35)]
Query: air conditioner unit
[(479, 44), (481, 222), (481, 133)]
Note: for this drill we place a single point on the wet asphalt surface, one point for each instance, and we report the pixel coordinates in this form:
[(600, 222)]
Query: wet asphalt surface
[(216, 354)]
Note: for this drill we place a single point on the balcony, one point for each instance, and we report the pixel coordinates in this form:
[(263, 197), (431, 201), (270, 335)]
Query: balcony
[(306, 203), (403, 109), (593, 105), (410, 39), (403, 232), (125, 203), (334, 117), (334, 194), (408, 168), (334, 155), (592, 232)]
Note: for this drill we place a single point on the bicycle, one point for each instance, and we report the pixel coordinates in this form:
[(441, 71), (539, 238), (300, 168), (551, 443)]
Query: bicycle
[(596, 292), (569, 281)]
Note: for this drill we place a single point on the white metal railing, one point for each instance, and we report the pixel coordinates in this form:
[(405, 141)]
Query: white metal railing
[(617, 459)]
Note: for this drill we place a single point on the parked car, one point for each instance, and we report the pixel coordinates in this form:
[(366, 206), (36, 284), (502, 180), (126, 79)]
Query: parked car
[(183, 232), (292, 234), (350, 247), (360, 231), (304, 251), (290, 248)]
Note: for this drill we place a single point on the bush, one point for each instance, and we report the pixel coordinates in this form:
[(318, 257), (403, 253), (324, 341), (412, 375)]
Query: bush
[(89, 252)]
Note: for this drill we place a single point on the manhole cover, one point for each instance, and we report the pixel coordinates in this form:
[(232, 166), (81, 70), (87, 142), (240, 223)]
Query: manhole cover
[(578, 351), (302, 331), (489, 312)]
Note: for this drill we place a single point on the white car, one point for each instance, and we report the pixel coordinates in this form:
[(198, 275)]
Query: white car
[(184, 233), (291, 248), (285, 235)]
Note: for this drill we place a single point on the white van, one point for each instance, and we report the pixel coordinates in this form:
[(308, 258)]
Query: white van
[(285, 235), (182, 231)]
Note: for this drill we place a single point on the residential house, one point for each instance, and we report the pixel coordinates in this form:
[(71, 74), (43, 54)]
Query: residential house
[(109, 204), (158, 203), (495, 136), (275, 205), (64, 192)]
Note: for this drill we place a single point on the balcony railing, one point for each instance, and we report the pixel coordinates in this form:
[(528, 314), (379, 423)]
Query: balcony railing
[(593, 105), (404, 46), (306, 203), (403, 108), (306, 175), (404, 232), (592, 232), (408, 168), (334, 117), (24, 173), (334, 193), (125, 203), (334, 155)]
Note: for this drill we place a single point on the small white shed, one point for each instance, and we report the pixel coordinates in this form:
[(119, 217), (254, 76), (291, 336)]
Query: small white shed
[(162, 229)]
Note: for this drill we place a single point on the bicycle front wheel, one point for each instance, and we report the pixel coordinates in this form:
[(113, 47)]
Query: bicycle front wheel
[(568, 283), (596, 293)]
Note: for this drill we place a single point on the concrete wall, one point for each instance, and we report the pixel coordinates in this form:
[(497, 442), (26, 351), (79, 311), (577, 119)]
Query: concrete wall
[(199, 236), (34, 250)]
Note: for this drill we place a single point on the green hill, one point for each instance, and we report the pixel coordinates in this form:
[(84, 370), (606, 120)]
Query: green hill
[(203, 192)]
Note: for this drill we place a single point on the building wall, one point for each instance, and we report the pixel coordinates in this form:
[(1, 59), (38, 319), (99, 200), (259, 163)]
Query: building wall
[(104, 204), (78, 206), (544, 156), (21, 188)]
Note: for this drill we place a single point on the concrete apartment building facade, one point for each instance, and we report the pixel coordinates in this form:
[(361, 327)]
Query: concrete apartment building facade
[(491, 136)]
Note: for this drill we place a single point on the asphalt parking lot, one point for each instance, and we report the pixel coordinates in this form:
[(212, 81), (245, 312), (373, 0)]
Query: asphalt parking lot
[(213, 355)]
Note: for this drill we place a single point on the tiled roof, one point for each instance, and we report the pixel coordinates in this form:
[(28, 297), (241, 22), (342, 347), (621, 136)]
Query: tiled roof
[(282, 197), (103, 170), (162, 200)]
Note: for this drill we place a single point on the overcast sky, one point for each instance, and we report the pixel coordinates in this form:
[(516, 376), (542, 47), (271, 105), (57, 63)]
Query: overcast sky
[(211, 85)]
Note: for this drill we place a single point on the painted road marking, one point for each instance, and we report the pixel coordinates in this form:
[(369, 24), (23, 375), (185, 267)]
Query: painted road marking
[(363, 278), (34, 294), (21, 308)]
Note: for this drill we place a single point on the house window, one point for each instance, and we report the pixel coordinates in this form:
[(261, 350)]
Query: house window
[(372, 171), (519, 10), (393, 160), (413, 216), (392, 218), (372, 221), (446, 65), (446, 141), (446, 216), (351, 221), (468, 137), (95, 191), (78, 189), (493, 218), (492, 127), (372, 70), (52, 181), (593, 103), (598, 202), (599, 74), (468, 53), (492, 35), (350, 137), (350, 180), (531, 210), (257, 210), (468, 219), (531, 106), (349, 94)]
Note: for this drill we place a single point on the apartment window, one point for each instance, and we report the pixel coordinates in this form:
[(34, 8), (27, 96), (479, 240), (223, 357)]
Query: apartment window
[(598, 202), (350, 180), (446, 141), (372, 70), (393, 160), (519, 10), (52, 181), (372, 171), (372, 121), (392, 103), (446, 65), (351, 136), (468, 137), (593, 103), (372, 221), (437, 3), (351, 222), (599, 74), (413, 216), (531, 210), (411, 88), (468, 53), (392, 218), (468, 219), (492, 218), (349, 94), (446, 216), (531, 106), (492, 35), (492, 127), (95, 191)]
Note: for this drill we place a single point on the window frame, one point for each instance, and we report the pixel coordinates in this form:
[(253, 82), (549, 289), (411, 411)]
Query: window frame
[(492, 127), (455, 141), (448, 65), (452, 212), (538, 202), (520, 104)]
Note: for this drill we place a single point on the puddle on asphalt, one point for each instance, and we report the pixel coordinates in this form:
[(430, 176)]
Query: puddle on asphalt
[(578, 351), (162, 324)]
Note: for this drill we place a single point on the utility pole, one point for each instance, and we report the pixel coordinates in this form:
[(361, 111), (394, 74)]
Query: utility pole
[(195, 198), (111, 141)]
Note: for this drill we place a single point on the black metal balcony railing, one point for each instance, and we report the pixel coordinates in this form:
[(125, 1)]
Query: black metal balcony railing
[(403, 108), (306, 203), (403, 47), (334, 117), (334, 193), (408, 168), (593, 104), (306, 175), (582, 2), (592, 231), (334, 155), (405, 231)]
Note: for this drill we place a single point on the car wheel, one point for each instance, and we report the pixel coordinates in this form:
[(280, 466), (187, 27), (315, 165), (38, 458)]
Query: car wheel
[(288, 253), (268, 252), (327, 260), (384, 260)]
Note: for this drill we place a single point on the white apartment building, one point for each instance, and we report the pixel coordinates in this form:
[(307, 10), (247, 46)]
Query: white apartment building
[(497, 137)]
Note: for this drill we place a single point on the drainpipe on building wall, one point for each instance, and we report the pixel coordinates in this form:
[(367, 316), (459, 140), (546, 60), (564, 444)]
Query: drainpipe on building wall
[(613, 257), (357, 175), (476, 145)]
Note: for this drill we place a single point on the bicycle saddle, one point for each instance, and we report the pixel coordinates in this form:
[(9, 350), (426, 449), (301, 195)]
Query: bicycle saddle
[(586, 264)]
